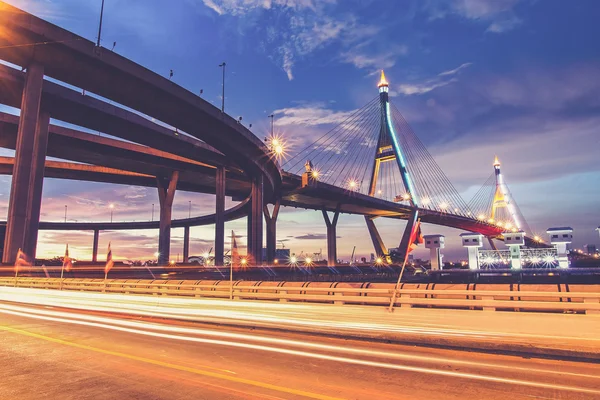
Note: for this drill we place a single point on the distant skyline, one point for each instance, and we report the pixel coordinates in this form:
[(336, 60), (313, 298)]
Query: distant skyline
[(475, 78)]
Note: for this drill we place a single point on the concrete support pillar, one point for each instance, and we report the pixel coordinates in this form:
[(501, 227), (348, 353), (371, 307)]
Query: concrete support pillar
[(220, 182), (26, 171), (249, 231), (166, 193), (36, 184), (271, 221), (186, 244), (95, 246), (434, 243), (472, 241), (378, 245), (332, 236), (255, 239), (405, 244), (492, 244)]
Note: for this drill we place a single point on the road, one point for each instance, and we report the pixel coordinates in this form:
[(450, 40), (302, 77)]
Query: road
[(50, 352)]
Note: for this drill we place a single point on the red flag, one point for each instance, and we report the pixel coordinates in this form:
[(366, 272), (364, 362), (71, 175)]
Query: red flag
[(67, 262), (416, 237), (21, 261), (109, 261), (235, 255)]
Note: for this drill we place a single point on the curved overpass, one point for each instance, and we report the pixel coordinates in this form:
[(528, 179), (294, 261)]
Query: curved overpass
[(114, 77)]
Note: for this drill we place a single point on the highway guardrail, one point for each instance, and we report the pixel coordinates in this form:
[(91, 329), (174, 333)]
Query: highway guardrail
[(488, 297)]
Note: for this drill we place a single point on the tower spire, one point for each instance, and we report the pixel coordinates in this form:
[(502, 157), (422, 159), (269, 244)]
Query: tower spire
[(383, 82)]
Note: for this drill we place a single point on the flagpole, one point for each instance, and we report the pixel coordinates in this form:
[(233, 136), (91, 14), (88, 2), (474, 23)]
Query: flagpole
[(395, 293), (105, 276), (231, 269), (62, 270)]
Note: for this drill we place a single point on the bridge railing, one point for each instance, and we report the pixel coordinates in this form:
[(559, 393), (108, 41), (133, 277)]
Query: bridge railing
[(539, 298)]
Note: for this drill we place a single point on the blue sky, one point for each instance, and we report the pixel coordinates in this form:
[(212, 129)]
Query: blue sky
[(474, 78)]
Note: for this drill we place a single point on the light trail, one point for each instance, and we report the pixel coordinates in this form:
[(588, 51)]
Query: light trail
[(317, 317), (25, 311), (306, 354)]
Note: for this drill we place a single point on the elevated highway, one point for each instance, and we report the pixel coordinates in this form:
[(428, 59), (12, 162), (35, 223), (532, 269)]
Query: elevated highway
[(214, 149)]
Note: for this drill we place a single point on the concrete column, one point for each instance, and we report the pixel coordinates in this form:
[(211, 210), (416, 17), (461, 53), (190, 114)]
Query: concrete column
[(434, 243), (36, 184), (332, 236), (220, 217), (26, 168), (472, 241), (249, 229), (166, 193), (257, 220), (378, 245), (95, 246), (186, 244), (271, 220), (405, 244)]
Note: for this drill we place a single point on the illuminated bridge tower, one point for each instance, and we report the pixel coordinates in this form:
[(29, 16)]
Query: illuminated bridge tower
[(389, 149), (502, 200), (494, 204)]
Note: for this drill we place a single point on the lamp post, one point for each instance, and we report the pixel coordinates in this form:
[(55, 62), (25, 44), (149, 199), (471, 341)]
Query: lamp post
[(272, 116), (222, 65), (190, 209), (152, 212), (111, 206), (100, 26), (65, 213)]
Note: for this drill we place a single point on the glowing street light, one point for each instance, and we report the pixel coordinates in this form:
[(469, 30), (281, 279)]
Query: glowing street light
[(378, 261), (244, 262), (352, 184), (444, 206), (315, 174), (406, 196), (308, 261), (156, 254)]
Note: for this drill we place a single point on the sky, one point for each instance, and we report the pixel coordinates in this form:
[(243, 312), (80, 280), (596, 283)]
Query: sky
[(474, 78)]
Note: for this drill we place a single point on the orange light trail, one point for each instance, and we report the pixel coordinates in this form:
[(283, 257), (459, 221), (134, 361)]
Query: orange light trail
[(377, 364)]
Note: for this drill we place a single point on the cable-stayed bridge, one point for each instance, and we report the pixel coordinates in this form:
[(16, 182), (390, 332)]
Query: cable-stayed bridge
[(372, 164)]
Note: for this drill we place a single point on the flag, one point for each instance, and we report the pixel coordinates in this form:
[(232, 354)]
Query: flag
[(109, 261), (21, 261), (235, 255), (416, 237), (67, 262)]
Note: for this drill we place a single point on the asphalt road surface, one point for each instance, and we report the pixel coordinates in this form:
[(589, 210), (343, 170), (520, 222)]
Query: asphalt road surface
[(53, 353)]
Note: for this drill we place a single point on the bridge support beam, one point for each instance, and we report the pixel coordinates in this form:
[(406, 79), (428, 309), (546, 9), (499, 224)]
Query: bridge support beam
[(405, 242), (28, 170), (492, 244), (220, 182), (378, 245), (255, 223), (271, 221), (166, 193), (95, 245), (332, 235), (186, 244)]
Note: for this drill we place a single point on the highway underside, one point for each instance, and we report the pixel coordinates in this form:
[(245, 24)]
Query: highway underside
[(55, 353)]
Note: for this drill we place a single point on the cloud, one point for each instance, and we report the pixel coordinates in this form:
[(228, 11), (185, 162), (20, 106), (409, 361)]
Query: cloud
[(310, 114), (504, 25), (362, 58), (313, 236), (442, 79), (298, 28), (499, 14)]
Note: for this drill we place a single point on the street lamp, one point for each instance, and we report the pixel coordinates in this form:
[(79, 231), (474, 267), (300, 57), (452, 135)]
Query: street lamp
[(272, 116), (190, 209), (152, 212), (111, 206), (100, 26), (222, 65), (65, 213)]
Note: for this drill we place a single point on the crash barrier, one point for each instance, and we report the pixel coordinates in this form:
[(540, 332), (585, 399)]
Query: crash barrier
[(488, 297)]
